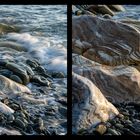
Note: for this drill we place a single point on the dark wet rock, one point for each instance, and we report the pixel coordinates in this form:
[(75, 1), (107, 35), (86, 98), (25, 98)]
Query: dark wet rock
[(16, 79), (40, 69), (12, 45), (3, 62), (128, 132), (18, 122), (10, 118), (32, 63), (19, 71), (119, 126), (63, 111), (40, 80), (27, 68), (112, 131), (58, 75)]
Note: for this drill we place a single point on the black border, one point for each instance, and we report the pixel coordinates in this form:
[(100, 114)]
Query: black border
[(69, 52), (69, 63)]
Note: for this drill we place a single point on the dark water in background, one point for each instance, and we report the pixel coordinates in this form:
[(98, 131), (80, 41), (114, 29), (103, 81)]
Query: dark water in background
[(132, 11)]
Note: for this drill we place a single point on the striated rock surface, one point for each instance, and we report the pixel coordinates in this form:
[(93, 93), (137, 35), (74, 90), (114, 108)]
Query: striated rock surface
[(118, 84), (90, 107), (5, 109), (106, 66), (106, 41)]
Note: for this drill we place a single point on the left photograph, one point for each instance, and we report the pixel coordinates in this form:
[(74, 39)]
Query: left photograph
[(33, 69)]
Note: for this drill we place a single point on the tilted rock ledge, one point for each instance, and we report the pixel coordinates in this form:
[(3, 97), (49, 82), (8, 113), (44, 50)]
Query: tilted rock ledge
[(106, 56)]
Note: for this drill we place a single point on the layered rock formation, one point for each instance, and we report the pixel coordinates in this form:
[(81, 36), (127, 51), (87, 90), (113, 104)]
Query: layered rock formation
[(107, 55), (89, 105), (117, 44)]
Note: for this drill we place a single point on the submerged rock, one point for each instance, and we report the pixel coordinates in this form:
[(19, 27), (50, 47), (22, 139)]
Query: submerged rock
[(89, 107), (17, 69)]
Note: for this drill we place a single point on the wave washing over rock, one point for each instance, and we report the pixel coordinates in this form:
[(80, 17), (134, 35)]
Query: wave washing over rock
[(106, 70), (33, 70)]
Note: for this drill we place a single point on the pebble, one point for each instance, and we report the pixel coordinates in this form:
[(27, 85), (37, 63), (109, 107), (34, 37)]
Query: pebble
[(19, 123), (101, 129), (16, 79), (119, 126)]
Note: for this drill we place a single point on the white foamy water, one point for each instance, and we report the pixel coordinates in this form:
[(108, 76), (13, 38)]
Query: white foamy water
[(49, 52)]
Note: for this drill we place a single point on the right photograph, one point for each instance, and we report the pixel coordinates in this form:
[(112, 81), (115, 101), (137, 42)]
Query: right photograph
[(106, 69)]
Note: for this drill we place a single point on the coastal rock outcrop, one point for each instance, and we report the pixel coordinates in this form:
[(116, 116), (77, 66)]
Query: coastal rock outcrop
[(118, 84), (90, 107), (117, 44)]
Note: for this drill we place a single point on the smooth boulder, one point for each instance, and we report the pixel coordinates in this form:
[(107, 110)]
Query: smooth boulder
[(89, 106)]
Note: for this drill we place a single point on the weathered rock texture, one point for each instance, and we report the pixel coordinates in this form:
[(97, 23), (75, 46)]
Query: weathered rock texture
[(106, 41), (106, 65), (118, 84), (90, 107)]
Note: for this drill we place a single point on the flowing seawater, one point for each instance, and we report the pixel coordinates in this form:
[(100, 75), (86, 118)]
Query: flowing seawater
[(42, 28), (131, 11), (43, 32)]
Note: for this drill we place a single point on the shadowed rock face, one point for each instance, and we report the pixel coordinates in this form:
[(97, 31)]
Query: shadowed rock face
[(90, 107), (105, 41)]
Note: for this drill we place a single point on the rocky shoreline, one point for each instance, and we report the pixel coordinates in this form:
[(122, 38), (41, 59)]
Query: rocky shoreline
[(126, 123), (106, 71), (33, 100)]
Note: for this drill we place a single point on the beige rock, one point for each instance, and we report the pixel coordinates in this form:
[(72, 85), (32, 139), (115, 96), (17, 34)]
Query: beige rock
[(8, 131), (89, 107), (107, 42), (118, 84)]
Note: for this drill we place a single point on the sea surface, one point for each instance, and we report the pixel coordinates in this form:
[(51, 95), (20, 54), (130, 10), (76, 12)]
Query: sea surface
[(42, 28), (132, 11)]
